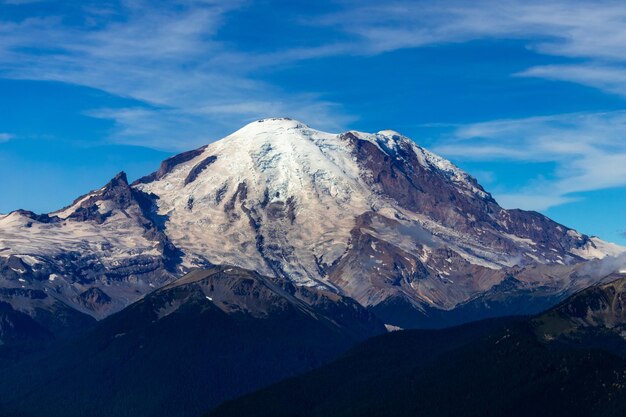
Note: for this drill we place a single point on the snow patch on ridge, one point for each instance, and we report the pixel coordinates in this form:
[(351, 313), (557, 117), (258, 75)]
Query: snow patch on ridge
[(598, 249)]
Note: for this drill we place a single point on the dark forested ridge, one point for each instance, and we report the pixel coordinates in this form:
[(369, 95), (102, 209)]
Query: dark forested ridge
[(208, 337), (568, 361)]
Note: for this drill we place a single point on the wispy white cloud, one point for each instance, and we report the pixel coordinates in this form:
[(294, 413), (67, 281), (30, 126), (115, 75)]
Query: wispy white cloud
[(588, 149), (607, 77), (528, 199), (592, 32), (181, 128), (4, 137), (167, 55), (189, 87)]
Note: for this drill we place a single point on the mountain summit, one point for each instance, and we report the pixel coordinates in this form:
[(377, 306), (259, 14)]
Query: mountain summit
[(374, 217)]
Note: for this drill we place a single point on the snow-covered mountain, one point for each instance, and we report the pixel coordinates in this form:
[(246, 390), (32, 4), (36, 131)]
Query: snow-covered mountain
[(374, 217)]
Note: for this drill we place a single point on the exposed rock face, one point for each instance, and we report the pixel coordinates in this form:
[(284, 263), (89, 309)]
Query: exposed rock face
[(198, 168), (94, 299), (426, 184), (169, 164), (374, 217)]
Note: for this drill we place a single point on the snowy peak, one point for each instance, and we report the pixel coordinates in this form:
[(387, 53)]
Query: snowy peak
[(271, 126), (277, 151), (281, 198), (372, 216), (275, 177)]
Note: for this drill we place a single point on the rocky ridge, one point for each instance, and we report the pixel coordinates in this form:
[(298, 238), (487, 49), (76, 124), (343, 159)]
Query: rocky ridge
[(373, 217)]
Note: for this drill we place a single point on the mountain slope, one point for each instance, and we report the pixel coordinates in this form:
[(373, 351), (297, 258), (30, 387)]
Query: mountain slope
[(374, 217), (595, 317), (289, 179), (209, 336), (31, 321), (89, 260), (548, 365)]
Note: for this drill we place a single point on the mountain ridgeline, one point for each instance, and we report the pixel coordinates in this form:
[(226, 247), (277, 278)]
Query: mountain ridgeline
[(567, 362), (373, 217), (272, 251)]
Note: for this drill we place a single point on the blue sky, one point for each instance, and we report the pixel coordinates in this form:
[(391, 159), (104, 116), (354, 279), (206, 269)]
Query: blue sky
[(528, 96)]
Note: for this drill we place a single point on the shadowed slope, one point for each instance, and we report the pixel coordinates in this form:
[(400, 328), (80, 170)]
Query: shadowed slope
[(549, 365), (210, 336)]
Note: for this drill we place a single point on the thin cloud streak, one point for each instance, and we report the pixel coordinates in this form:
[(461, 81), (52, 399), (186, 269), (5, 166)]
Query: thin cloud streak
[(180, 73), (608, 78), (4, 137), (589, 150), (591, 31), (189, 88)]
